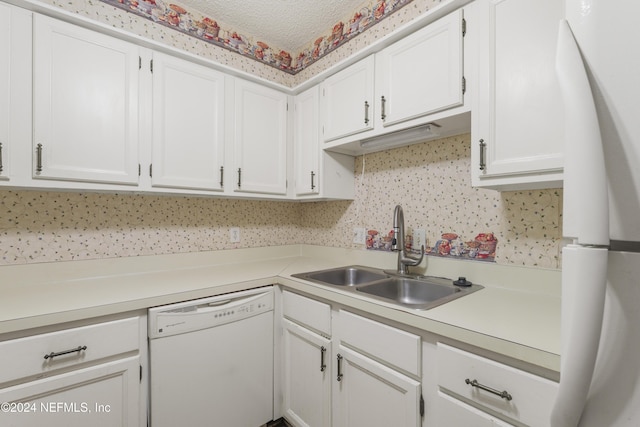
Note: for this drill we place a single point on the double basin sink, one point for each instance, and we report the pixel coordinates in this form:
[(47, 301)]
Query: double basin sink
[(416, 292)]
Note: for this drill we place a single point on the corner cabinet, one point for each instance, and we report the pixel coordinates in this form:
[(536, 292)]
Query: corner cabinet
[(260, 155), (188, 125), (318, 174), (517, 126), (85, 105)]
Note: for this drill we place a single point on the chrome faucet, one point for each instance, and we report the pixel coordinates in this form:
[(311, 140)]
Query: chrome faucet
[(397, 244)]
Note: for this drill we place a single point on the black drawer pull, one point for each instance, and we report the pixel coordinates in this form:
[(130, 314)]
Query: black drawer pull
[(503, 394), (61, 353)]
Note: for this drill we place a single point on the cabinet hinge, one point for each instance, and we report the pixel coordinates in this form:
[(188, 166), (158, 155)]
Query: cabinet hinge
[(151, 65), (139, 62), (139, 169), (421, 405), (140, 373), (464, 85), (464, 27), (151, 170)]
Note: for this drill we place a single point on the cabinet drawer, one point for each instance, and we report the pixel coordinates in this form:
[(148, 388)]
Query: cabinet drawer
[(306, 311), (532, 396), (39, 354), (392, 346)]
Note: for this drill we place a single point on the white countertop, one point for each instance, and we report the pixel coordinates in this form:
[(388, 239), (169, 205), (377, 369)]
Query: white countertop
[(517, 314)]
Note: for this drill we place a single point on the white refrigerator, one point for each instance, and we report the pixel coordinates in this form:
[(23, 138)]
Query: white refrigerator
[(598, 65)]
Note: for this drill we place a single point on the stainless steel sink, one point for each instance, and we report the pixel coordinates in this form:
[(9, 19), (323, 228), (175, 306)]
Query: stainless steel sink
[(417, 292), (344, 276)]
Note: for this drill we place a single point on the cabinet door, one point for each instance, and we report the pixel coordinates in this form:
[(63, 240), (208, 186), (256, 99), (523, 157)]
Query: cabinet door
[(451, 412), (260, 138), (104, 395), (518, 128), (369, 394), (188, 125), (348, 100), (5, 85), (85, 104), (422, 73), (307, 377), (15, 92), (306, 142)]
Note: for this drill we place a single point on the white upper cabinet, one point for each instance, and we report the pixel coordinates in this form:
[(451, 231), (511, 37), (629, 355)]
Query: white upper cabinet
[(422, 73), (400, 90), (260, 139), (85, 104), (318, 174), (348, 98), (15, 90), (188, 125), (5, 86), (517, 129), (306, 141)]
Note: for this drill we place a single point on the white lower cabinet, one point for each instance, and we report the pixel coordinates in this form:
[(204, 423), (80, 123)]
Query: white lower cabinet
[(369, 393), (453, 412), (307, 376), (86, 375), (104, 395), (342, 369), (474, 390)]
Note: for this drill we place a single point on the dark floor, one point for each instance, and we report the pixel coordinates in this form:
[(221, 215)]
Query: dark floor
[(278, 423)]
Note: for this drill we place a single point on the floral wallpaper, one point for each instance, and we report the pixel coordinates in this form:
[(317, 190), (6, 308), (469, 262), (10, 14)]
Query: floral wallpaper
[(430, 180), (212, 31)]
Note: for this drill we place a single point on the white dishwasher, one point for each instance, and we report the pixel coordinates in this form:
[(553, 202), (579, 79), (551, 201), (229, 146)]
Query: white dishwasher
[(211, 361)]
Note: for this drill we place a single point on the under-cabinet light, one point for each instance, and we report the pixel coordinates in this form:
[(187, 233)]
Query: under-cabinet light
[(416, 134)]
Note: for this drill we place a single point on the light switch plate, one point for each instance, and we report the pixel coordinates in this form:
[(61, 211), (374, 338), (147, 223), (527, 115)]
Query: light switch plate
[(234, 235), (359, 235), (419, 239)]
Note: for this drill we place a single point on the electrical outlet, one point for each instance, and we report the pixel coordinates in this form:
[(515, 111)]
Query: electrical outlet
[(234, 235), (419, 239), (359, 235)]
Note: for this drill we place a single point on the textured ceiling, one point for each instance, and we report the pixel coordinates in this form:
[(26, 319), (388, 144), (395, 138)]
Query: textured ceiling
[(288, 24)]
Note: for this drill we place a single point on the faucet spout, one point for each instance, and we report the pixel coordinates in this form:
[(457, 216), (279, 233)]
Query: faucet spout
[(397, 244)]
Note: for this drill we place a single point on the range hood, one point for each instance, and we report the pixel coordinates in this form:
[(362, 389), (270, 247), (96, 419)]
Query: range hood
[(387, 138)]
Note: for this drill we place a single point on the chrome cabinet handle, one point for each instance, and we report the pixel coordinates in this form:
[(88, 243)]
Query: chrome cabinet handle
[(366, 113), (483, 154), (503, 394), (0, 157), (61, 353), (383, 102), (239, 177), (339, 367), (313, 186), (38, 158), (221, 176), (323, 365)]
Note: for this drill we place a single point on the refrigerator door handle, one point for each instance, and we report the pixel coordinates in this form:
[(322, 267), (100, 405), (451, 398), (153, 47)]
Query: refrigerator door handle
[(586, 197), (584, 282)]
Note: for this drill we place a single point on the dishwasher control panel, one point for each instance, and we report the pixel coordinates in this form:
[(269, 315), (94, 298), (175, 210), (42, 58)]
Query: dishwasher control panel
[(208, 312)]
